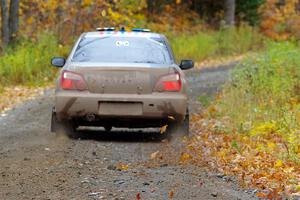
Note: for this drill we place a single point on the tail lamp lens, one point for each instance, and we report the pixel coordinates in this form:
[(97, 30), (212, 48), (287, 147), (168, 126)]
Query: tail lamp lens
[(72, 81), (169, 83)]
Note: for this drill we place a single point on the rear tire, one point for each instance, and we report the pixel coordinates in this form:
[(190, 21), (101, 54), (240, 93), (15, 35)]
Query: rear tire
[(65, 127)]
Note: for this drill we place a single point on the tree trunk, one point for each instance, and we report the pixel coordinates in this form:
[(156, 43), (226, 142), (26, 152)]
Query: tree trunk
[(230, 12), (13, 19), (76, 25), (151, 6), (156, 6), (5, 23)]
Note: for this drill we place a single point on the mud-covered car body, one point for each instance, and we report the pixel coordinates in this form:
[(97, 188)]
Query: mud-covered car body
[(121, 79)]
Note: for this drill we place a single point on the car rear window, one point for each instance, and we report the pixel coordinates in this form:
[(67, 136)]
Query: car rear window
[(122, 49)]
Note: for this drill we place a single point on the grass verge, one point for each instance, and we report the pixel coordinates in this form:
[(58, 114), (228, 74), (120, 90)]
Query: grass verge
[(216, 44), (252, 130), (28, 61)]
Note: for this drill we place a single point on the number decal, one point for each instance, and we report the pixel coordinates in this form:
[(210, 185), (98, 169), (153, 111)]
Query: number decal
[(122, 43)]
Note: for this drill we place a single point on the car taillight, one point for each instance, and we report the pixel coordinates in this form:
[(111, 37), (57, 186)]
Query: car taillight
[(169, 83), (72, 81)]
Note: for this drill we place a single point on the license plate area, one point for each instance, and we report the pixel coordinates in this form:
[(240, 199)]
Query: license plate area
[(121, 108)]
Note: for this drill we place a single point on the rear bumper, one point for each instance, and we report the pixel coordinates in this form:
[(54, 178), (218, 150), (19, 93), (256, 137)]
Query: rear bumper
[(73, 104)]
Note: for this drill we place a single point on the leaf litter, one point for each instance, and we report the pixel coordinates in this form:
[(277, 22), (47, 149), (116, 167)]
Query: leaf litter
[(12, 95), (238, 155)]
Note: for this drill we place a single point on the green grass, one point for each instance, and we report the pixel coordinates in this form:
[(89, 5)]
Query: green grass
[(214, 44), (263, 97), (197, 47), (28, 62), (205, 100)]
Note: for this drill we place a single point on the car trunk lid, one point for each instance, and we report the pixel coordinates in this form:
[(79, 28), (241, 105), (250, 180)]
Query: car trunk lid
[(122, 79)]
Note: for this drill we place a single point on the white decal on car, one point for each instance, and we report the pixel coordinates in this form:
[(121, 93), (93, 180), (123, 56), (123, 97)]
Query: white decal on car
[(122, 43)]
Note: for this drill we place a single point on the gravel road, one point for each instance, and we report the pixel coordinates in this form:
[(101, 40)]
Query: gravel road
[(34, 164)]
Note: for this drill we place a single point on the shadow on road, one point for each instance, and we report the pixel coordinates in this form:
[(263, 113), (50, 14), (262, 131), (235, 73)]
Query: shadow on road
[(121, 135)]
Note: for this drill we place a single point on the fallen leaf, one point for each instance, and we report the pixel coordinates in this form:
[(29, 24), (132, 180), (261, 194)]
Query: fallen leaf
[(184, 157), (123, 167), (171, 117), (171, 194), (261, 195), (279, 163), (154, 155), (163, 129), (138, 196)]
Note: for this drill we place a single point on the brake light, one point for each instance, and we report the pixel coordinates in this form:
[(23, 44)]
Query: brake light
[(169, 83), (72, 81)]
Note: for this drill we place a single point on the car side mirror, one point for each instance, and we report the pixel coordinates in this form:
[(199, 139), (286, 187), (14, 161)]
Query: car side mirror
[(58, 61), (186, 64)]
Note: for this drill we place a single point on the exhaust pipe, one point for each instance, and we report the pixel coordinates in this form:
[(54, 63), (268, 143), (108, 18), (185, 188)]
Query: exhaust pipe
[(90, 117)]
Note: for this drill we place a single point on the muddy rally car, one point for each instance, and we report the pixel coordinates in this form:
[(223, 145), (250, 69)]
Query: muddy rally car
[(120, 79)]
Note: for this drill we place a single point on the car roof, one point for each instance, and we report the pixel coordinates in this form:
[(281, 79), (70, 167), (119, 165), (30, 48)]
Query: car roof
[(123, 34)]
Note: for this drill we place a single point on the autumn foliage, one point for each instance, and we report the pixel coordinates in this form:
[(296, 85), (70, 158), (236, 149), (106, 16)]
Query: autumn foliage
[(70, 18), (242, 156), (280, 21), (252, 129)]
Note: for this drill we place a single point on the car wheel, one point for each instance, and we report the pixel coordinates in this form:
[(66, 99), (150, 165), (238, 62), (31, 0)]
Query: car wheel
[(65, 127)]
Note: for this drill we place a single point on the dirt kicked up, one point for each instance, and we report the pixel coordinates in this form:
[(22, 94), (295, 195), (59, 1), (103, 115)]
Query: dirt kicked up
[(124, 164)]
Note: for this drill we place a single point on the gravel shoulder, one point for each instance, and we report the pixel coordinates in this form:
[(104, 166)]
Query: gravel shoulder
[(34, 164)]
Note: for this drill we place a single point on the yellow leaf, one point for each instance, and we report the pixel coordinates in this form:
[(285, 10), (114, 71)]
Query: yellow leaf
[(271, 145), (123, 167), (289, 170), (163, 129), (154, 155), (103, 13), (184, 157), (86, 3), (261, 195), (29, 20), (279, 163), (171, 117)]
